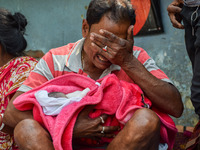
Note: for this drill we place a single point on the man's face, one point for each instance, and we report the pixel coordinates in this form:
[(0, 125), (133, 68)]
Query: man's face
[(94, 57)]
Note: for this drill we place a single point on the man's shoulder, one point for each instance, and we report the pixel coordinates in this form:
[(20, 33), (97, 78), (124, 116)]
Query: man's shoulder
[(63, 50)]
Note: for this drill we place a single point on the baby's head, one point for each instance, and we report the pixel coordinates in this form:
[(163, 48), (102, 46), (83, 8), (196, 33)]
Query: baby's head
[(56, 94)]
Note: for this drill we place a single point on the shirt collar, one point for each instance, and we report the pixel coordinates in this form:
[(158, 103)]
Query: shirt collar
[(74, 62)]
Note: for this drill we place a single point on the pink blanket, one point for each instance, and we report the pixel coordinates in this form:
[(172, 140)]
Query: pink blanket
[(112, 97)]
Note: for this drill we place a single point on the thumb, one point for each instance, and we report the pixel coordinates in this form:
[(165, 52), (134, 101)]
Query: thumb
[(87, 110), (130, 33), (104, 116)]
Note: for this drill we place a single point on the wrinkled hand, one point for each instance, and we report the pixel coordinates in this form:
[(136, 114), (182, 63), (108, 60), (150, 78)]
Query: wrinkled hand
[(91, 128), (119, 50), (173, 11)]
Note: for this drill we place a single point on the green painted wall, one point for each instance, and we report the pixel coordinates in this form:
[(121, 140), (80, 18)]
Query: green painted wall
[(56, 23)]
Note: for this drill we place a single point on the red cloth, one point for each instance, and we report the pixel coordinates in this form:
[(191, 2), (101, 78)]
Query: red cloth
[(12, 75), (112, 97), (142, 9)]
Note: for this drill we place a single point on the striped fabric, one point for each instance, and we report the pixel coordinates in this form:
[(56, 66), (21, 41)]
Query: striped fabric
[(65, 59)]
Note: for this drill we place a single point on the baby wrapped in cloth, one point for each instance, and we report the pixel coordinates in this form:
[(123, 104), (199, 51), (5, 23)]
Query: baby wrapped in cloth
[(52, 103), (113, 97)]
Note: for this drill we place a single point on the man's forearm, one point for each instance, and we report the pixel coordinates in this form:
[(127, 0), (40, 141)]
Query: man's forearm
[(162, 94)]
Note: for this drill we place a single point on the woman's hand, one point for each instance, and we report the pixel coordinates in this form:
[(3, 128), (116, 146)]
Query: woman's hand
[(119, 50), (92, 128)]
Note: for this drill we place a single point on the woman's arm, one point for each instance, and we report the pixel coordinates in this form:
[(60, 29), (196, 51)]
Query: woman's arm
[(13, 116)]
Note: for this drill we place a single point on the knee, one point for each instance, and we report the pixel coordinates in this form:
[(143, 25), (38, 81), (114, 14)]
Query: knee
[(145, 124), (24, 127), (28, 133), (23, 133), (145, 118)]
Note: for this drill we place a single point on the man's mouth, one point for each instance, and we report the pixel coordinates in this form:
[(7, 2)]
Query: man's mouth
[(102, 58)]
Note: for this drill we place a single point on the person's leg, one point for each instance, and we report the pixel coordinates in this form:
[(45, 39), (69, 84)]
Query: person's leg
[(194, 141), (195, 88), (189, 37), (30, 135), (141, 132), (192, 41)]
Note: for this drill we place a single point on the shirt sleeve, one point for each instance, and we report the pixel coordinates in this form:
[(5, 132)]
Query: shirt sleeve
[(150, 64), (41, 73)]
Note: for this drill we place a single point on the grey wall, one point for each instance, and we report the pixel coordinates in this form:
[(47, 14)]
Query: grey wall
[(56, 23)]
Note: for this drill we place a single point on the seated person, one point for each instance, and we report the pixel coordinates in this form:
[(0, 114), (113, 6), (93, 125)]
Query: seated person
[(14, 65), (106, 48)]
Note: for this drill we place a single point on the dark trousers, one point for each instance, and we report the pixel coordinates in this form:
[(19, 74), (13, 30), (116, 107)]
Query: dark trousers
[(191, 20)]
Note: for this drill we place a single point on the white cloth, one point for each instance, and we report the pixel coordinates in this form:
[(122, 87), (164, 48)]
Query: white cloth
[(53, 106), (163, 146)]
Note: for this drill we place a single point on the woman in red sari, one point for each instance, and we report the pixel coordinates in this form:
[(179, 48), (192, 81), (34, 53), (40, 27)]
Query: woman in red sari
[(14, 65)]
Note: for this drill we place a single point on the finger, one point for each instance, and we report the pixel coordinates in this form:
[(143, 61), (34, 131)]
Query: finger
[(87, 110), (101, 51), (112, 39), (173, 9), (102, 118), (109, 135), (110, 36), (108, 129), (176, 23), (130, 33), (98, 40)]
